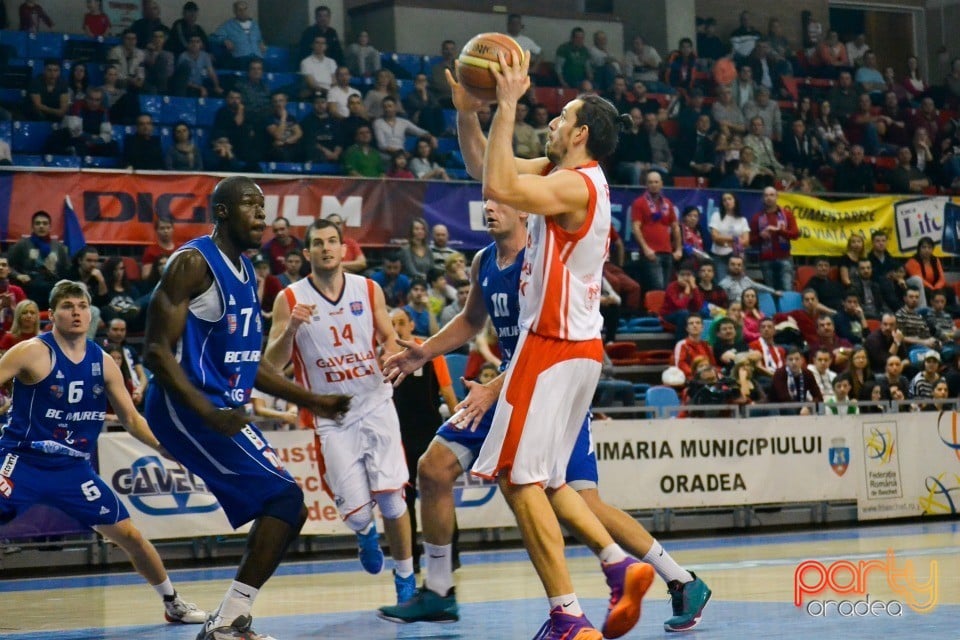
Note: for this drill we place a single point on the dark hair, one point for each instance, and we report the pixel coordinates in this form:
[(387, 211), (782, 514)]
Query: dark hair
[(603, 123), (461, 283), (109, 267), (84, 82), (294, 252), (111, 349), (576, 30), (434, 273), (687, 41), (40, 214), (321, 223), (689, 209), (793, 350), (393, 256), (82, 251), (418, 281), (736, 206)]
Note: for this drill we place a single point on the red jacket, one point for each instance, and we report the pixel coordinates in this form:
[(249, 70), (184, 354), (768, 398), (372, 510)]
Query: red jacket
[(686, 351), (676, 299), (777, 246)]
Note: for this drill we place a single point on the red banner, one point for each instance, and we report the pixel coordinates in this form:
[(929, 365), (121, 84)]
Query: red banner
[(121, 209)]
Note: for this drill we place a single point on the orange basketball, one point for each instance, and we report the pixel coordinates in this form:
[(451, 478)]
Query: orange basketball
[(477, 58)]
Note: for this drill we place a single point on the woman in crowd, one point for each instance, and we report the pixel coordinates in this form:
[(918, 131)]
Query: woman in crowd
[(925, 269), (730, 231), (690, 238), (398, 166), (859, 372), (121, 298), (26, 325), (424, 165), (851, 258), (416, 257), (78, 82), (828, 128), (913, 82), (384, 85), (184, 155), (750, 304)]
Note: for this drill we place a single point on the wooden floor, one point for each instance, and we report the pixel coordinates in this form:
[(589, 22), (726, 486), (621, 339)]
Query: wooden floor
[(752, 578)]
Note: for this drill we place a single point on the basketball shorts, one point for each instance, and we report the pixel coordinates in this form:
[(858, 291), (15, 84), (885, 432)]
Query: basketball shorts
[(465, 444), (546, 394), (361, 459), (244, 472), (70, 485)]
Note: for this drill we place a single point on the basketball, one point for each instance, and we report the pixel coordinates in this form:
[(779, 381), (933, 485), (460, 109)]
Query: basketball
[(477, 58)]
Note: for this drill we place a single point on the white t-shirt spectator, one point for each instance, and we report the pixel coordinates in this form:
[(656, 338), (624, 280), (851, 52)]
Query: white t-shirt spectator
[(733, 226), (321, 71), (339, 96)]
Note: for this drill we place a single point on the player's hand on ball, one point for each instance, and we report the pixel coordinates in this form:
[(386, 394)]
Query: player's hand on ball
[(478, 401), (513, 80), (463, 100), (333, 406)]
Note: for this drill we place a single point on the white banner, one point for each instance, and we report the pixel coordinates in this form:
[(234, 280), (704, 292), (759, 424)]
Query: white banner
[(167, 501), (911, 466), (654, 464)]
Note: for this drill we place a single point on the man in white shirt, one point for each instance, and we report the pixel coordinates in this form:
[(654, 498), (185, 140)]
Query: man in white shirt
[(822, 373), (391, 131), (317, 69), (339, 94), (514, 27), (129, 61)]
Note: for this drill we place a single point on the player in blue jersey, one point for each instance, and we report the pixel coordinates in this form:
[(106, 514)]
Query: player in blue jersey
[(61, 383), (494, 292), (203, 344)]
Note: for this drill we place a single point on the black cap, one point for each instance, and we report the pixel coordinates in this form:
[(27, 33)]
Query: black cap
[(191, 6)]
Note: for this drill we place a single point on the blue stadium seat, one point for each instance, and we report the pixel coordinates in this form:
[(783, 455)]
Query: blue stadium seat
[(12, 96), (458, 174), (450, 121), (276, 59), (766, 303), (405, 88), (791, 301), (662, 397), (17, 40), (166, 138), (410, 63), (175, 109), (119, 133), (640, 391), (94, 162), (6, 131), (23, 160), (323, 168), (81, 48), (448, 145), (281, 167), (45, 45), (280, 80), (95, 73), (152, 105), (457, 364), (410, 143), (300, 109), (29, 137), (455, 160), (207, 110), (65, 162), (429, 61)]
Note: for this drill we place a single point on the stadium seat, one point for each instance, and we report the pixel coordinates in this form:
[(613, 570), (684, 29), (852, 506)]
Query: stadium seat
[(621, 353), (791, 301), (455, 160), (16, 40), (804, 273), (45, 45), (16, 75), (322, 168), (276, 59), (654, 357), (404, 65), (152, 105), (448, 145), (96, 162), (405, 88), (458, 174), (65, 162), (662, 397), (671, 129), (29, 137), (685, 182), (166, 138), (12, 96), (766, 303), (207, 110), (653, 300), (457, 364), (281, 167), (640, 390), (450, 121), (644, 325), (27, 160), (283, 80), (174, 109)]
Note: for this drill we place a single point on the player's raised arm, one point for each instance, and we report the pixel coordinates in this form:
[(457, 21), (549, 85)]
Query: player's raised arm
[(558, 193), (473, 144), (186, 276)]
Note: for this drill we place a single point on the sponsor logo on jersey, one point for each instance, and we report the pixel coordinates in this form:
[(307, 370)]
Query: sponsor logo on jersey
[(6, 487), (231, 323), (232, 301), (59, 375), (97, 390), (104, 511), (356, 308), (9, 463), (236, 357), (56, 391), (95, 369)]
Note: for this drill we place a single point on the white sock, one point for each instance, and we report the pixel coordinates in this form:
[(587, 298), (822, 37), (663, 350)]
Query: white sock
[(439, 567), (568, 603), (165, 589), (237, 602), (366, 529), (612, 554), (404, 568), (665, 566)]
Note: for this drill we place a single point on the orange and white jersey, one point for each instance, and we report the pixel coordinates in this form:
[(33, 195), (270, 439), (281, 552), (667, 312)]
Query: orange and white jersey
[(562, 271), (336, 352)]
